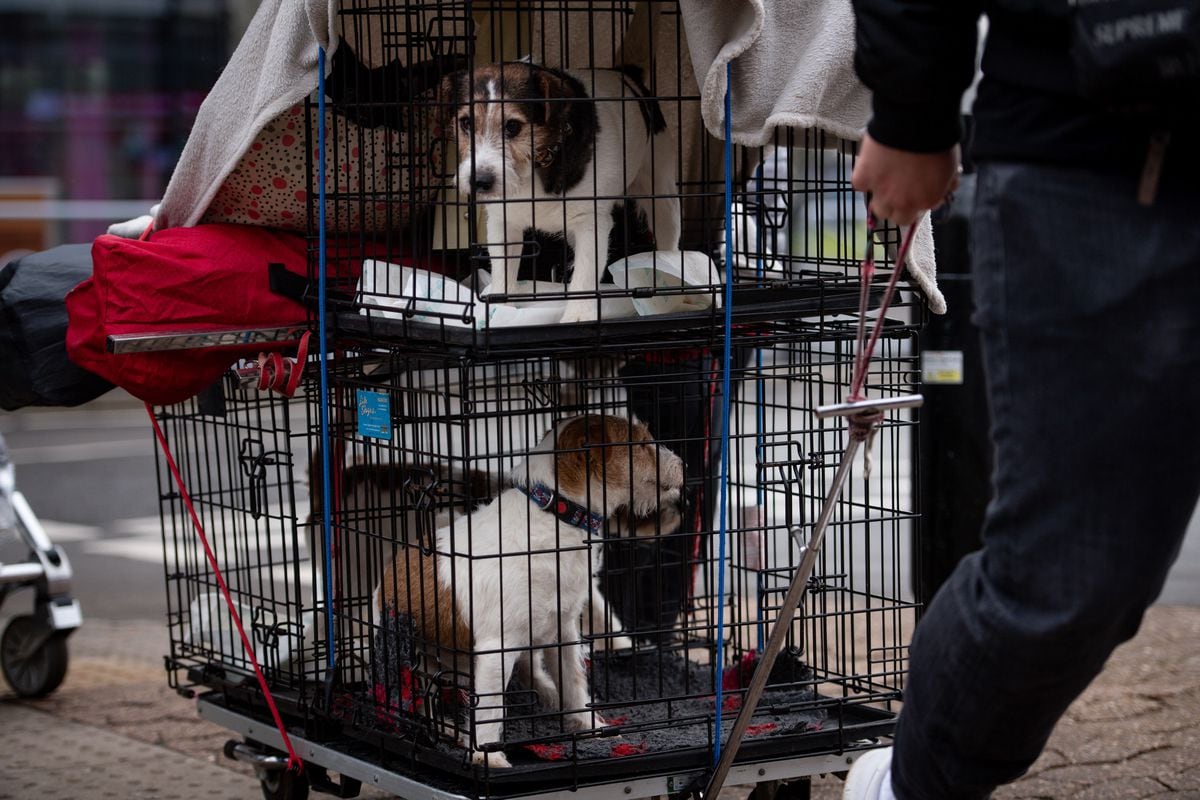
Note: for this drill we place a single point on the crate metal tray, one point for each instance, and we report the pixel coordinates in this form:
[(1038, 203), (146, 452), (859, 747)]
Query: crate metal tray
[(646, 776)]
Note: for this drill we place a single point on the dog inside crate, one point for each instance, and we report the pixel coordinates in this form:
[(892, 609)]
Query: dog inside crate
[(550, 176), (549, 543), (426, 513), (427, 626)]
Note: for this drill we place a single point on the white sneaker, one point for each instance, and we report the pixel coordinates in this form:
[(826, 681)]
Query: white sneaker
[(871, 777)]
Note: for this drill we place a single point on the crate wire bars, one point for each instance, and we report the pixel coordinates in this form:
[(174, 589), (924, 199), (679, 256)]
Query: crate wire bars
[(428, 412)]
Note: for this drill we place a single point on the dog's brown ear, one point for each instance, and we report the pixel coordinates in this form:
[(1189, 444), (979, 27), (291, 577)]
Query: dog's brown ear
[(451, 94), (589, 447), (617, 430), (555, 92), (571, 458)]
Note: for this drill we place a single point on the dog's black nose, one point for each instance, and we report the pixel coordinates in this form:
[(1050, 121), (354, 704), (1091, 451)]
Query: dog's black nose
[(483, 182)]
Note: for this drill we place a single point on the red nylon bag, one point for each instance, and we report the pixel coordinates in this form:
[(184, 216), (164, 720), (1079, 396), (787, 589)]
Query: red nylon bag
[(206, 278)]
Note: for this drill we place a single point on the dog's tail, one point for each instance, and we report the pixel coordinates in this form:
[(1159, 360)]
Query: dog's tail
[(664, 212), (656, 180), (656, 190), (651, 111)]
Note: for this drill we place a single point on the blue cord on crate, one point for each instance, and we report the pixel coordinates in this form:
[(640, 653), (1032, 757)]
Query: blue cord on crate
[(326, 494), (718, 672), (760, 416)]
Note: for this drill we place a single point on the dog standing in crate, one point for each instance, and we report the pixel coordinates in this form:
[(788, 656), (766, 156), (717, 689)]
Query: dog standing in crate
[(558, 152), (510, 583)]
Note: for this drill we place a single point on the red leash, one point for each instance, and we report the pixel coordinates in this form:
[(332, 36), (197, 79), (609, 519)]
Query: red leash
[(862, 425), (294, 761), (280, 373), (867, 347)]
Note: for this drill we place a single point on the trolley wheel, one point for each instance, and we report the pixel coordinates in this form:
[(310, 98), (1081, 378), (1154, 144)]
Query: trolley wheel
[(36, 673), (285, 784)]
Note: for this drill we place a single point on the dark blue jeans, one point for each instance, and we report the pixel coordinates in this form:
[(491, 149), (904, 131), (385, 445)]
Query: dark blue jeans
[(1089, 307)]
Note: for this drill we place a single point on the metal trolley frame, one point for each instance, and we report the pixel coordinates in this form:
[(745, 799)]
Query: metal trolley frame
[(421, 407)]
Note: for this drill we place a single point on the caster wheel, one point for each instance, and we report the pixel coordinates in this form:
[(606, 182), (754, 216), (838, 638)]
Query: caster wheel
[(285, 784), (36, 673)]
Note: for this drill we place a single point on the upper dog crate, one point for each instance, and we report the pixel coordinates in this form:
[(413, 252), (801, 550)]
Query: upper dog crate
[(513, 173)]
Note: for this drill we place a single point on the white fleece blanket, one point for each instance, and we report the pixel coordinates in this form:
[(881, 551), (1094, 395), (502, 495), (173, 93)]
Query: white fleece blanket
[(273, 68), (793, 66)]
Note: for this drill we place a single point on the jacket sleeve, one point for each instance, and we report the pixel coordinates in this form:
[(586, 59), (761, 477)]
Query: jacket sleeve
[(917, 57)]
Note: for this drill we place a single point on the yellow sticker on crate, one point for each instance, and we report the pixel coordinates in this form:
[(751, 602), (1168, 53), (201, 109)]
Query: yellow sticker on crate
[(942, 367)]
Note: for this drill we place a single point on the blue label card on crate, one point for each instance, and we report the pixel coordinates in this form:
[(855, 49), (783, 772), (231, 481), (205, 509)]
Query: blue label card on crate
[(374, 414)]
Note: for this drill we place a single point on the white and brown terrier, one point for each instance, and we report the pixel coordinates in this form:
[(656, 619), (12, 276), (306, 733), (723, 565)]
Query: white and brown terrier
[(510, 582), (558, 151)]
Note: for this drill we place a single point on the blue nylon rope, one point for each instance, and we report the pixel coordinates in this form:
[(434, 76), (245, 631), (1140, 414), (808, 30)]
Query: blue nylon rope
[(327, 514), (760, 416), (719, 666)]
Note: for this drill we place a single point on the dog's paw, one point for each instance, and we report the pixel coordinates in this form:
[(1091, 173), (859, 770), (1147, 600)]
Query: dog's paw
[(609, 642), (583, 721), (666, 521), (669, 519), (579, 311), (494, 759), (615, 643)]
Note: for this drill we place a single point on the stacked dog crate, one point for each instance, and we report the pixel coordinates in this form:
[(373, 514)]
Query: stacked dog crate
[(515, 476)]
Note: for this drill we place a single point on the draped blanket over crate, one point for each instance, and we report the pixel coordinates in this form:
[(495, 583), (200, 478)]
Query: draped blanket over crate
[(793, 66), (273, 68)]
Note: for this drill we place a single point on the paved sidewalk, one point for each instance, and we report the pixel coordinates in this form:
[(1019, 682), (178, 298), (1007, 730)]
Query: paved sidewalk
[(1135, 733), (115, 730)]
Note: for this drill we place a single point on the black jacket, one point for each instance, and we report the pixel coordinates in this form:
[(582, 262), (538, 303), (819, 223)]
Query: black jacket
[(918, 56)]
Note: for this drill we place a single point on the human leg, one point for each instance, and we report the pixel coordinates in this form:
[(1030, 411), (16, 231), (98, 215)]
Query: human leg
[(1087, 308)]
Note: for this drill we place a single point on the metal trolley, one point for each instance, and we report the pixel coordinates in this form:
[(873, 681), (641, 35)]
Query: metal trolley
[(432, 394)]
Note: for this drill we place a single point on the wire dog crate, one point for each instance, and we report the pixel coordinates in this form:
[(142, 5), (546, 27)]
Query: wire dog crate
[(575, 184), (529, 528), (462, 432), (467, 432)]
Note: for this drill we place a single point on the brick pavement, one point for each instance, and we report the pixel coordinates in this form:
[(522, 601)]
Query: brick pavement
[(1135, 733), (114, 729)]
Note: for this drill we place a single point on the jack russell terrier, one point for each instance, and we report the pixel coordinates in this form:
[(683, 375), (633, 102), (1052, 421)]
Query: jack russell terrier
[(510, 582), (558, 152)]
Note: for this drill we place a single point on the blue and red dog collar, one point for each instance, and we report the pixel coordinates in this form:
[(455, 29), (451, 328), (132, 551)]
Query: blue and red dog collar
[(566, 510)]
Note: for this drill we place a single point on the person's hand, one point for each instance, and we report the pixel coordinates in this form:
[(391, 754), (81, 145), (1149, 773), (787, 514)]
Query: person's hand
[(904, 185)]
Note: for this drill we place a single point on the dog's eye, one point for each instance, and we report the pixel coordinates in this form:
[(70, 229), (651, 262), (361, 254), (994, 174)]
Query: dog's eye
[(465, 124), (513, 127)]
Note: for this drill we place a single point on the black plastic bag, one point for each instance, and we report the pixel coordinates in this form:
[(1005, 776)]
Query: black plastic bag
[(34, 368)]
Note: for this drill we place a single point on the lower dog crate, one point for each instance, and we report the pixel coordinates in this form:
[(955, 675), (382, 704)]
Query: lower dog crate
[(421, 444)]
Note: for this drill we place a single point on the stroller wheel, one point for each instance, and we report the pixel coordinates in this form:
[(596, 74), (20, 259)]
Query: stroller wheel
[(32, 669)]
